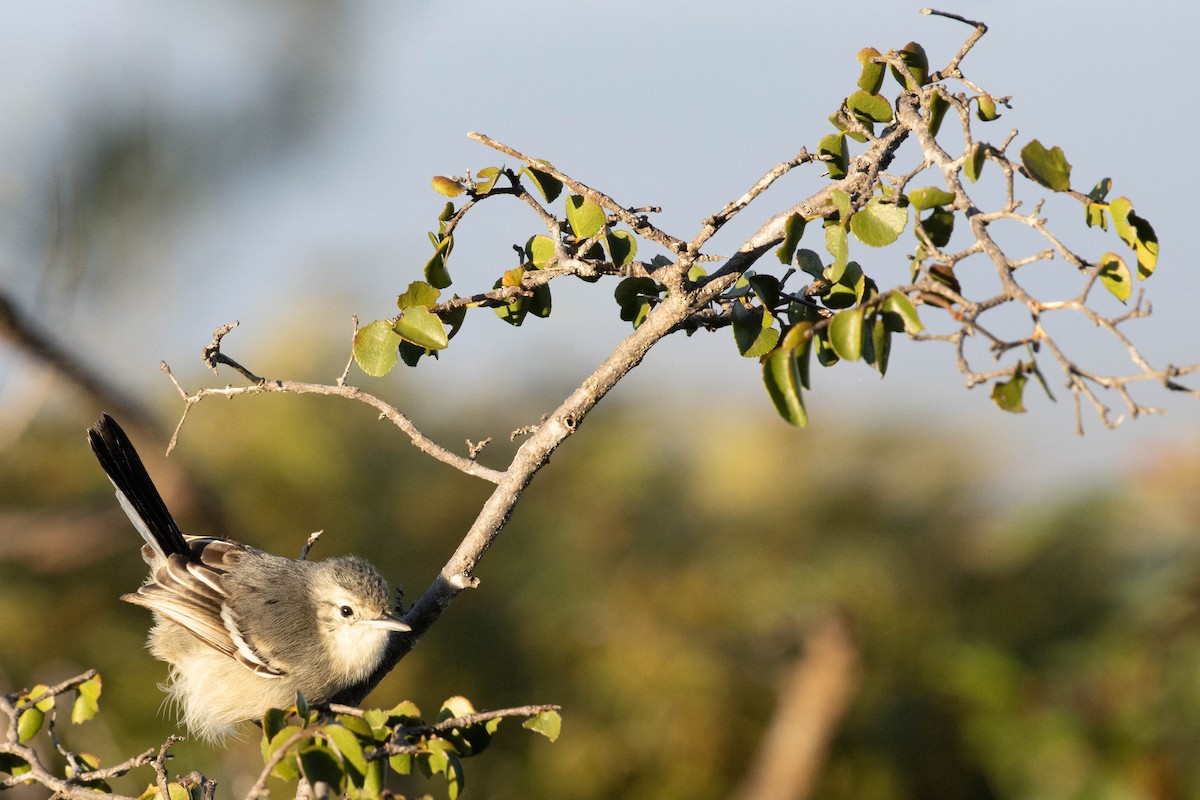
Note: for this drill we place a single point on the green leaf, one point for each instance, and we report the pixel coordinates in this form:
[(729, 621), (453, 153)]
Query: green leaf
[(881, 344), (375, 348), (540, 251), (848, 289), (273, 722), (753, 330), (422, 327), (986, 108), (810, 263), (793, 229), (418, 293), (899, 313), (447, 186), (835, 243), (348, 745), (913, 56), (766, 287), (454, 318), (636, 296), (586, 217), (550, 186), (87, 700), (781, 376), (1047, 167), (826, 356), (1095, 216), (485, 179), (287, 769), (939, 226), (928, 197), (938, 106), (871, 79), (841, 201), (869, 107), (13, 765), (320, 764), (1009, 394), (1100, 190), (1115, 276), (878, 224), (834, 145), (539, 302), (547, 723), (622, 247), (846, 333), (29, 723), (1137, 233), (436, 273), (973, 164)]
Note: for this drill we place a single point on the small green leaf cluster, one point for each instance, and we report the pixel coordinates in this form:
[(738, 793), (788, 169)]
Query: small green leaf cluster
[(426, 323), (34, 712), (352, 753)]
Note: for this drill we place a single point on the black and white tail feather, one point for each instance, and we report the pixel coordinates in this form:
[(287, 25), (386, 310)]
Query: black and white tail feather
[(186, 573)]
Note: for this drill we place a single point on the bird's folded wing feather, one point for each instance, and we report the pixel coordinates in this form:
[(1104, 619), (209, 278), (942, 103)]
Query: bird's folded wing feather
[(192, 595)]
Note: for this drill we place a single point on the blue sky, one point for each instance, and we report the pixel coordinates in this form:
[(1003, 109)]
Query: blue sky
[(309, 132)]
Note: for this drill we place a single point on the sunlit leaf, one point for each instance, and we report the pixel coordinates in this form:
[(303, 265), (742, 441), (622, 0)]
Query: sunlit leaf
[(1096, 216), (622, 247), (793, 229), (913, 56), (375, 348), (1137, 233), (878, 224), (485, 179), (986, 108), (869, 107), (447, 186), (418, 293), (1048, 167), (1009, 394), (1115, 276), (636, 297), (87, 700), (320, 764), (547, 723), (753, 330), (348, 745), (834, 146), (871, 78), (938, 106), (540, 251), (585, 216), (422, 327), (973, 164), (846, 333), (899, 313), (835, 243), (848, 289), (781, 376), (928, 197), (550, 186)]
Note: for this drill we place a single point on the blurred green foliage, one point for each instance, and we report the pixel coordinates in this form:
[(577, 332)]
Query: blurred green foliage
[(657, 585)]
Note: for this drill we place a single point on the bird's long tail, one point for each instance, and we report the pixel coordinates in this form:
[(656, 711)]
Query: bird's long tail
[(135, 490)]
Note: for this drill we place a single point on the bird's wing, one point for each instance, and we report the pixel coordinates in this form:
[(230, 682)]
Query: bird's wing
[(192, 595)]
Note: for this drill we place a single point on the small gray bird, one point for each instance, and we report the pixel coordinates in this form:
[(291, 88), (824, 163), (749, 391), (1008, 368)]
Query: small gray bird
[(244, 630)]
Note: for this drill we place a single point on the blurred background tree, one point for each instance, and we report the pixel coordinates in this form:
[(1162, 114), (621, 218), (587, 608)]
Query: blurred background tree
[(1012, 643)]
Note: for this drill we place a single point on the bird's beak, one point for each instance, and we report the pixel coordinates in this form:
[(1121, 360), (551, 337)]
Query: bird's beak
[(389, 621)]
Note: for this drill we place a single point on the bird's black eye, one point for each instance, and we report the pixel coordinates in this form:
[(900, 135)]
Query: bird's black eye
[(347, 611)]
